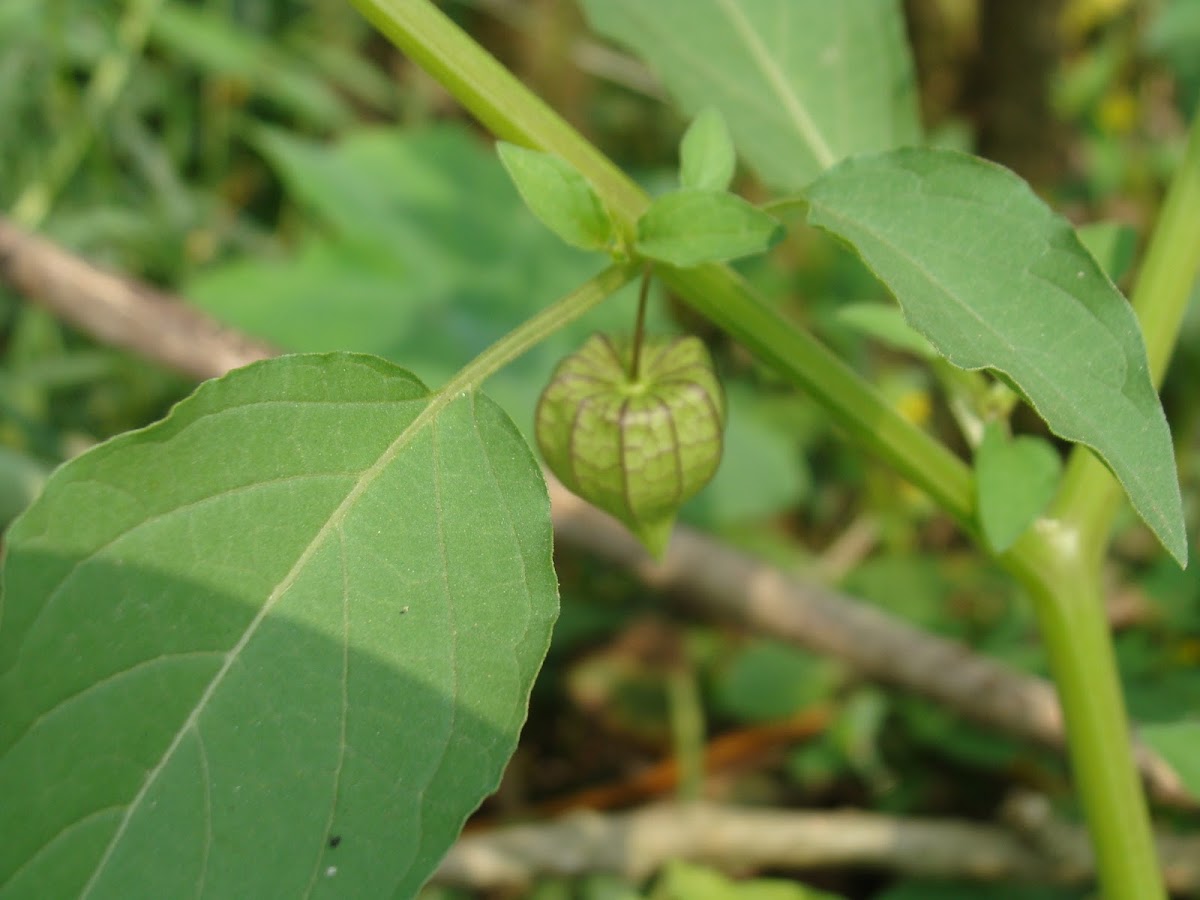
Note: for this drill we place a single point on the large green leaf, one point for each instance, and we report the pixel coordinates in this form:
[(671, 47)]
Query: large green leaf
[(802, 83), (277, 645), (995, 279)]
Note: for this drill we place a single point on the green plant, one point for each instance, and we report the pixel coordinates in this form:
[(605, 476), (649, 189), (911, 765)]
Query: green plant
[(316, 559)]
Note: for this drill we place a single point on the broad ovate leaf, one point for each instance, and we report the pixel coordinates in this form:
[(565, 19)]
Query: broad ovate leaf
[(691, 227), (1015, 480), (559, 196), (706, 157), (279, 644), (995, 279), (802, 83)]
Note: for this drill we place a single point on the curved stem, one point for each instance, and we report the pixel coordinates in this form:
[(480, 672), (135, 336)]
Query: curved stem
[(639, 327), (535, 330)]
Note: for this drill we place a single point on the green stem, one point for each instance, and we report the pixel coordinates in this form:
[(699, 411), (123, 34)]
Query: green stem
[(535, 330), (639, 327), (105, 86), (1067, 595), (513, 113)]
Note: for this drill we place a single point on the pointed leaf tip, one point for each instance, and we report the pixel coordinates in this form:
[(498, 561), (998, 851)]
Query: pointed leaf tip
[(560, 197)]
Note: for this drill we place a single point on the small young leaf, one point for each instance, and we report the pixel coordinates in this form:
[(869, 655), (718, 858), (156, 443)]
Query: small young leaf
[(995, 279), (690, 228), (559, 196), (1014, 481), (706, 157)]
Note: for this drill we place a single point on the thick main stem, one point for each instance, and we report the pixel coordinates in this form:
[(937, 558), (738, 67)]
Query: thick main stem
[(1068, 599)]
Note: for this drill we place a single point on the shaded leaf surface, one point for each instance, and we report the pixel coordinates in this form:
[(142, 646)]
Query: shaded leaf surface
[(309, 604), (995, 279), (802, 83)]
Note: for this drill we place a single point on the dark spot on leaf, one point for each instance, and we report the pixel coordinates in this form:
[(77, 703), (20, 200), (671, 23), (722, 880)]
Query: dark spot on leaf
[(334, 840)]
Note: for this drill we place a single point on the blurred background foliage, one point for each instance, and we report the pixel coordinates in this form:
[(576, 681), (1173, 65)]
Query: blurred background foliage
[(278, 164)]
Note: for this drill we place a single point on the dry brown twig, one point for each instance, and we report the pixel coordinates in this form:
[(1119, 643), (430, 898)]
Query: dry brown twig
[(709, 576), (736, 839)]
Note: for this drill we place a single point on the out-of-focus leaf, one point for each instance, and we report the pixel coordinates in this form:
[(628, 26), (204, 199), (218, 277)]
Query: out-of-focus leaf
[(977, 890), (802, 83), (769, 680), (706, 156), (762, 470), (21, 479), (213, 43)]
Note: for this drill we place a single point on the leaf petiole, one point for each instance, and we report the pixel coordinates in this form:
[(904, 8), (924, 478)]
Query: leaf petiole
[(533, 331)]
